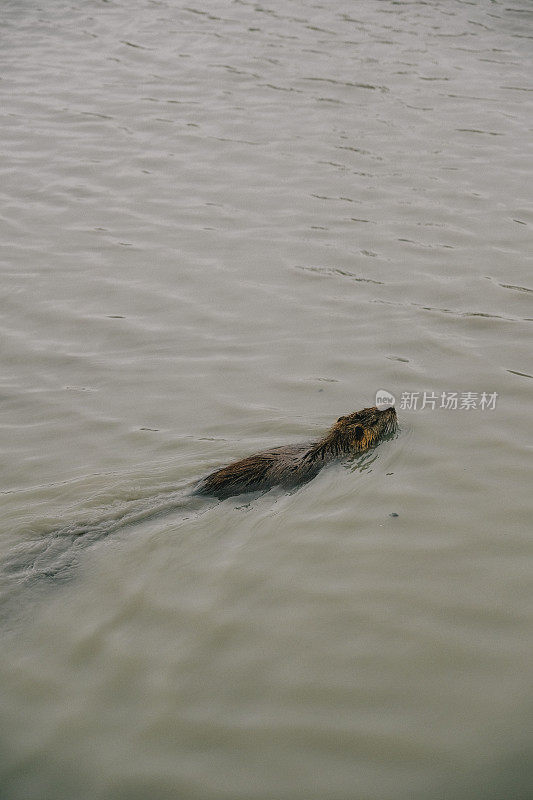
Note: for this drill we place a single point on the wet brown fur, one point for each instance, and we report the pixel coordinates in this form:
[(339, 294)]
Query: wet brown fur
[(291, 465)]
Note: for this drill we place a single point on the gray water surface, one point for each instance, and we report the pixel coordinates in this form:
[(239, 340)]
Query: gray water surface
[(224, 225)]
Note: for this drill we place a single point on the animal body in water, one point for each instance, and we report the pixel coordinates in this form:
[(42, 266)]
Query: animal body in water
[(290, 465), (53, 557)]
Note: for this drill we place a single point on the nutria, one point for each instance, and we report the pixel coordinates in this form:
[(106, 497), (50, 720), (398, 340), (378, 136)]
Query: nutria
[(293, 464)]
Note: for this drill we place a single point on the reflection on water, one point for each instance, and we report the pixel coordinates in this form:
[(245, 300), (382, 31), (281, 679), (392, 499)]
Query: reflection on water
[(223, 226)]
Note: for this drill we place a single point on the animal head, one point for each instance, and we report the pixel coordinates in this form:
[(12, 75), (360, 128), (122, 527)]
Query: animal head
[(363, 429)]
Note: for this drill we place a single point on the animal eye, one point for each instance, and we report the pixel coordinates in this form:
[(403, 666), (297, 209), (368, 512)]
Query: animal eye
[(359, 432)]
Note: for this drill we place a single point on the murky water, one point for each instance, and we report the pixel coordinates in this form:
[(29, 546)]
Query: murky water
[(224, 225)]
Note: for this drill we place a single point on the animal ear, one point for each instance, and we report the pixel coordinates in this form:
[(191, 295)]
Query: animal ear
[(341, 419), (359, 432)]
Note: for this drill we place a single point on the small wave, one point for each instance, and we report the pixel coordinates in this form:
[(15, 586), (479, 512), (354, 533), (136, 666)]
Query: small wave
[(54, 554)]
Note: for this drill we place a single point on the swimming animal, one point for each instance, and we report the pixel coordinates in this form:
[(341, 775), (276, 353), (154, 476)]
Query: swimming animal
[(290, 465)]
